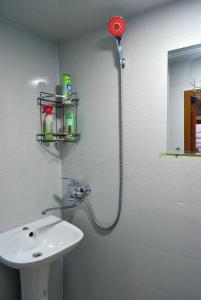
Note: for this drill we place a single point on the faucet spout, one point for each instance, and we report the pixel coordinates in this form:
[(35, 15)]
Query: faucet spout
[(44, 211)]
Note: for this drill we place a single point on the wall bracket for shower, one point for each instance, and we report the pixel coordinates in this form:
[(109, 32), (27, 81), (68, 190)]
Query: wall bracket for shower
[(59, 134)]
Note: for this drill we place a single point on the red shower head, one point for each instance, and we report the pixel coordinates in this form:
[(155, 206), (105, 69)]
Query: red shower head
[(117, 26)]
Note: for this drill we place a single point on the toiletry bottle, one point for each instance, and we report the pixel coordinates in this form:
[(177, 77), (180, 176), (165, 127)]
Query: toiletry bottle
[(48, 122), (70, 127), (67, 88)]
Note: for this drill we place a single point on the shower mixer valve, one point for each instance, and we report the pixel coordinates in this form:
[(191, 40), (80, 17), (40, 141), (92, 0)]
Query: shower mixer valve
[(77, 192)]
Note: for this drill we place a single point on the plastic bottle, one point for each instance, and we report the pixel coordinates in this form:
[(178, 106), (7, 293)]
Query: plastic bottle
[(70, 127), (67, 88), (48, 122)]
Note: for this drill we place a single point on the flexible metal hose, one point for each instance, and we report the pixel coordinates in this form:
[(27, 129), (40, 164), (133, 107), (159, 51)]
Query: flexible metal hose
[(120, 129)]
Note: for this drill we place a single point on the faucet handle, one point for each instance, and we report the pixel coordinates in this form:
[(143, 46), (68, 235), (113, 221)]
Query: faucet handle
[(83, 191), (86, 189)]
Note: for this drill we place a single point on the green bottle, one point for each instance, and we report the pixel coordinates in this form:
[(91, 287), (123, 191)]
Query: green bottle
[(67, 88), (70, 127)]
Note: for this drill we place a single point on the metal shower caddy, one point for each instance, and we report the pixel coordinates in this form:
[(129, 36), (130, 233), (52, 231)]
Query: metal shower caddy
[(60, 107)]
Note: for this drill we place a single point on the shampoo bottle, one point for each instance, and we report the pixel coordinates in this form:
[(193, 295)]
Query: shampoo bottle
[(48, 122), (70, 127)]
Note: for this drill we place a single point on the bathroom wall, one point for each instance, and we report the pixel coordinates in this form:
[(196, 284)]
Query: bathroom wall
[(29, 174), (181, 74), (155, 251)]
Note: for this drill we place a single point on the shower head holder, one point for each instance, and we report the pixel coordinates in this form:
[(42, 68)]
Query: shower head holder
[(122, 59)]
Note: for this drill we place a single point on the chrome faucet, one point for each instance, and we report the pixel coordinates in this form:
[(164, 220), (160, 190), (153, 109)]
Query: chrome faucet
[(76, 194)]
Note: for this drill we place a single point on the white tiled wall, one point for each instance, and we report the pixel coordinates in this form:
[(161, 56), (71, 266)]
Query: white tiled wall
[(29, 174), (154, 252)]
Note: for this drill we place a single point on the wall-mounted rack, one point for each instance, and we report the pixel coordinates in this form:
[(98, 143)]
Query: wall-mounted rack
[(61, 104)]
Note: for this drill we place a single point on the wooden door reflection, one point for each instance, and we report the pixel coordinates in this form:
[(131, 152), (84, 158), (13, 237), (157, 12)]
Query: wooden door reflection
[(192, 121)]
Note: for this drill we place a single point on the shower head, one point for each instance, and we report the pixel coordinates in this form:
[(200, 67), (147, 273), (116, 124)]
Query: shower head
[(117, 26)]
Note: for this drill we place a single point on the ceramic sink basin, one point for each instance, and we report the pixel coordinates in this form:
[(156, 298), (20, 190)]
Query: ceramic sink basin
[(33, 247), (37, 243)]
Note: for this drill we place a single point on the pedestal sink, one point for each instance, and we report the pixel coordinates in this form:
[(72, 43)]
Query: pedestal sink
[(33, 247)]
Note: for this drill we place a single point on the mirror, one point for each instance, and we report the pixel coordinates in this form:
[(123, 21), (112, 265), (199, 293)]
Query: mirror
[(184, 101)]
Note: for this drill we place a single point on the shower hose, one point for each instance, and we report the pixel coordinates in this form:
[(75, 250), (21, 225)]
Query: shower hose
[(120, 131)]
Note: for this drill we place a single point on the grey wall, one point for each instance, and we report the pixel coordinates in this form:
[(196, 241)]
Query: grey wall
[(155, 251), (29, 175)]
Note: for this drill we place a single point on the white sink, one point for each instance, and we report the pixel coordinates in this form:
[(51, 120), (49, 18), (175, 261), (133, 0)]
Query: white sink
[(32, 247)]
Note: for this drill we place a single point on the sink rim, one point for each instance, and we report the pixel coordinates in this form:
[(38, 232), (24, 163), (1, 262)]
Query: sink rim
[(32, 262)]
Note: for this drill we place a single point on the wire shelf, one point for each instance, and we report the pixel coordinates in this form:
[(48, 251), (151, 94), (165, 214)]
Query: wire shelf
[(61, 104), (58, 137), (57, 100)]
